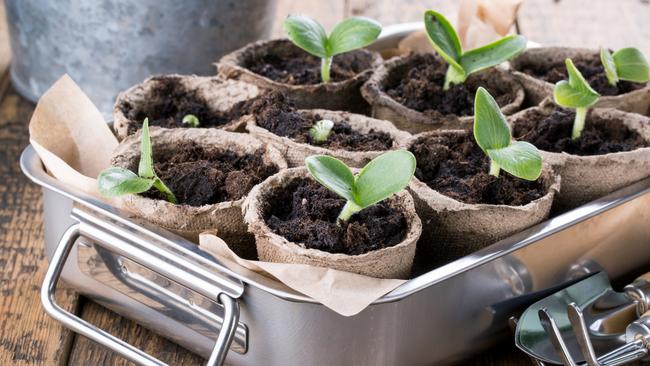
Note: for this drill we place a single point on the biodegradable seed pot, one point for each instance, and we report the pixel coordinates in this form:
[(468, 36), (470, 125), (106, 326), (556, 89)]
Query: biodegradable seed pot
[(538, 69), (294, 218), (408, 91), (166, 100), (462, 207), (209, 171), (355, 139), (281, 66), (612, 152)]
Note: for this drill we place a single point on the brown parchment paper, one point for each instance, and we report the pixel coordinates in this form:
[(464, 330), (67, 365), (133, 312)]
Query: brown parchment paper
[(71, 137), (343, 292), (75, 144)]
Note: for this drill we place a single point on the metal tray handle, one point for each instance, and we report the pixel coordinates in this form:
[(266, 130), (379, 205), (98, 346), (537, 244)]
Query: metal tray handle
[(78, 325)]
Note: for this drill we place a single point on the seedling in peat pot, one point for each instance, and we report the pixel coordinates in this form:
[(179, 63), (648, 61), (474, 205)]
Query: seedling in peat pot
[(192, 120), (462, 64), (348, 35), (575, 93), (625, 64), (320, 131), (116, 181), (382, 177), (492, 135)]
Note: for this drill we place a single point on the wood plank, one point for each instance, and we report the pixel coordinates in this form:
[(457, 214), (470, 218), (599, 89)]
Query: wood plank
[(5, 49), (86, 352), (587, 23), (391, 12), (27, 335), (328, 13)]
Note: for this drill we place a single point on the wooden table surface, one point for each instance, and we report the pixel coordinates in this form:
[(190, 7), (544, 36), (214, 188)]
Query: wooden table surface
[(29, 337)]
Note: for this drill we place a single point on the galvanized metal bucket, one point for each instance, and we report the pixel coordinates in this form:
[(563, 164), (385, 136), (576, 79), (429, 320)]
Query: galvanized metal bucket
[(109, 45)]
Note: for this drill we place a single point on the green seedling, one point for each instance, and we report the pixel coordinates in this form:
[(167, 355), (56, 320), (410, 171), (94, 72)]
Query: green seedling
[(492, 135), (348, 35), (462, 64), (575, 93), (116, 181), (321, 130), (382, 177), (192, 120), (625, 64)]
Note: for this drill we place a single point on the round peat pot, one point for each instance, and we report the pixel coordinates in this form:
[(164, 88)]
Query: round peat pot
[(362, 131), (393, 261), (256, 62), (110, 45), (407, 91), (538, 69), (457, 215), (189, 219), (166, 99), (612, 152)]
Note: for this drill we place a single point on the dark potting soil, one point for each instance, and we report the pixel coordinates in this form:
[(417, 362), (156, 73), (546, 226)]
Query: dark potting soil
[(305, 212), (456, 167), (170, 101), (199, 176), (591, 68), (302, 68), (421, 89), (276, 114), (552, 133)]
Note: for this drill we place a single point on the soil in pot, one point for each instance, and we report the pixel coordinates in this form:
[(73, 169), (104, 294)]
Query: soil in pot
[(421, 89), (591, 68), (200, 176), (305, 212), (173, 102), (301, 68), (276, 114), (552, 133), (456, 167)]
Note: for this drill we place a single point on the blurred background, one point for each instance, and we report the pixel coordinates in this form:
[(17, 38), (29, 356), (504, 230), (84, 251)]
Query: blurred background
[(109, 45)]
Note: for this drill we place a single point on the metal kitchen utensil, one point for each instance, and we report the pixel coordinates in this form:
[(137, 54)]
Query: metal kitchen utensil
[(587, 318)]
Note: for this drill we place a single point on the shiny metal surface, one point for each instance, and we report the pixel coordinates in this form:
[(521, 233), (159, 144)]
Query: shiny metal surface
[(78, 325), (106, 46)]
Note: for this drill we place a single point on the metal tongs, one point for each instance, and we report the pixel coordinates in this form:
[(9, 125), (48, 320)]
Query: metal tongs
[(587, 319)]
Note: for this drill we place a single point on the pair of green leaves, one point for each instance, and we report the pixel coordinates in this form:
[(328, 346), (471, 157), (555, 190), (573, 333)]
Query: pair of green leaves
[(382, 177), (461, 64), (348, 35), (492, 135), (575, 93), (321, 130), (625, 64), (116, 181)]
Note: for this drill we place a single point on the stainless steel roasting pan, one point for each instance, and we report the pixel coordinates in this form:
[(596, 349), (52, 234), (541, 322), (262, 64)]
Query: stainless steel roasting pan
[(442, 316)]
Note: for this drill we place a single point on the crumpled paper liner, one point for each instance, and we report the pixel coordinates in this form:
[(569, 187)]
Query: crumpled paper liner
[(190, 221), (75, 144), (297, 152), (586, 178), (343, 95), (70, 136), (219, 94), (390, 262), (479, 23), (407, 119), (345, 293), (453, 229), (637, 101)]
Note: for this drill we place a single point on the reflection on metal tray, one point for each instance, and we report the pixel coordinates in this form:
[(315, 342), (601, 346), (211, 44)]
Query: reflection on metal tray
[(168, 285)]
